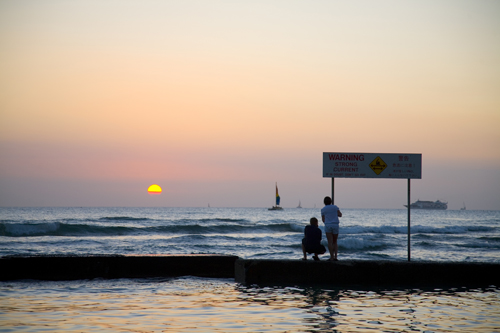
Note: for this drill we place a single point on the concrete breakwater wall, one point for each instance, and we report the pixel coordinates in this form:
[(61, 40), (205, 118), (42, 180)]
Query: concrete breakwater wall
[(279, 272), (373, 273), (115, 266)]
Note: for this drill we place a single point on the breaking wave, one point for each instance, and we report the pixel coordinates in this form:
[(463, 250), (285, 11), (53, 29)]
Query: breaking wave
[(358, 244), (417, 229), (205, 226), (75, 230)]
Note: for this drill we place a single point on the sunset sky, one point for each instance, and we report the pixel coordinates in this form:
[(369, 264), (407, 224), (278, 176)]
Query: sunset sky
[(215, 101)]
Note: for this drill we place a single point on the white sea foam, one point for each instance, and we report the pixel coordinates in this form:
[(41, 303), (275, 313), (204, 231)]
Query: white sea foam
[(359, 243), (388, 229)]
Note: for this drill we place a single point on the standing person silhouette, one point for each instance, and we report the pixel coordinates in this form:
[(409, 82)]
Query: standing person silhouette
[(330, 216)]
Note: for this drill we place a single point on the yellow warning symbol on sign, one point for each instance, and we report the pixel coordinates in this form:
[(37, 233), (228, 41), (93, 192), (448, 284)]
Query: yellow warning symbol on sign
[(378, 165)]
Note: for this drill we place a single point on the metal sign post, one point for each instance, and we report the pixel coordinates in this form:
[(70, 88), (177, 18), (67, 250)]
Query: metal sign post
[(371, 165), (409, 251), (333, 191)]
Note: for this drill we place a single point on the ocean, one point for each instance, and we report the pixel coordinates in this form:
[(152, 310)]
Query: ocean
[(190, 304), (251, 233)]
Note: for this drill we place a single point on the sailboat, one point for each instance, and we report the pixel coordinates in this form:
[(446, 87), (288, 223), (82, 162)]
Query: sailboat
[(277, 207), (463, 208), (299, 206)]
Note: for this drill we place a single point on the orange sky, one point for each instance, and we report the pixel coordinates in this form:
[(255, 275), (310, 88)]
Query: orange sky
[(216, 101)]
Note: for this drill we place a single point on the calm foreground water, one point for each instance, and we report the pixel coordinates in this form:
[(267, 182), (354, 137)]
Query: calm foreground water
[(191, 304)]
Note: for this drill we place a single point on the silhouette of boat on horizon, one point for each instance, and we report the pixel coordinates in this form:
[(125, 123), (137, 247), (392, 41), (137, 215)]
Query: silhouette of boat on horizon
[(420, 204)]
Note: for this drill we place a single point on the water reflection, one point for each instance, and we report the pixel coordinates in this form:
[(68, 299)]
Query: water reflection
[(438, 310), (220, 305)]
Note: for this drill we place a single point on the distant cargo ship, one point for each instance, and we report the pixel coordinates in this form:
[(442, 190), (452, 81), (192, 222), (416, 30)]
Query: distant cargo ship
[(428, 205)]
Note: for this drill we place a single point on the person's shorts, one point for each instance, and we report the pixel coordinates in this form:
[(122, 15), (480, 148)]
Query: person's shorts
[(332, 228)]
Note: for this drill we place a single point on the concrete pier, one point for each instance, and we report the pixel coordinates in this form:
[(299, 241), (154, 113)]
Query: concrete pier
[(372, 273), (264, 272), (115, 266)]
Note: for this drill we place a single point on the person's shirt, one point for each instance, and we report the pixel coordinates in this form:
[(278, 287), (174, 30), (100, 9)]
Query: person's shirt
[(312, 235), (330, 212)]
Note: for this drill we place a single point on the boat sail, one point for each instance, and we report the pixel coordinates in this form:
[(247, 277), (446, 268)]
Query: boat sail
[(277, 206)]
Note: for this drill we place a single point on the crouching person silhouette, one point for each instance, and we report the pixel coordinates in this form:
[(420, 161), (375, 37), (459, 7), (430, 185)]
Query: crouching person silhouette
[(311, 243)]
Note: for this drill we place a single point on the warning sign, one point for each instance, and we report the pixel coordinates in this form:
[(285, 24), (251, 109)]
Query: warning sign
[(378, 165), (372, 165)]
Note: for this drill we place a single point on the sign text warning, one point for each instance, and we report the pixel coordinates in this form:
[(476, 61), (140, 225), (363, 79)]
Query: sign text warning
[(372, 165)]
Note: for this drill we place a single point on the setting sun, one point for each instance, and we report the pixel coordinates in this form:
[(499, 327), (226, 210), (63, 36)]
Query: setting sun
[(154, 189)]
